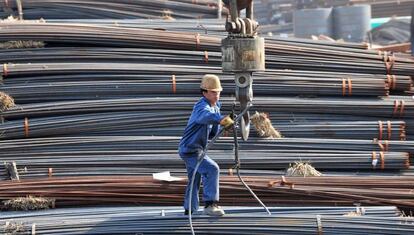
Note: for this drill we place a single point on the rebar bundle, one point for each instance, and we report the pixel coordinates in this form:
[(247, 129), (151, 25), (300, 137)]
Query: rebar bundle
[(239, 220), (77, 162), (111, 9), (143, 190), (281, 53), (385, 108), (102, 98), (165, 123), (141, 143), (126, 155)]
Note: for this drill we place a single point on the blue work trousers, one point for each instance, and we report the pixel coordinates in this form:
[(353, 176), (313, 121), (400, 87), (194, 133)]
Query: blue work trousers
[(209, 173)]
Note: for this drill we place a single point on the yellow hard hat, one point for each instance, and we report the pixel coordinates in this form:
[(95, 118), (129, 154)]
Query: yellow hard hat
[(211, 82)]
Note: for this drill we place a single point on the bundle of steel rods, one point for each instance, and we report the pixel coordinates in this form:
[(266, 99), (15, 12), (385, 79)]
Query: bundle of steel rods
[(385, 108), (177, 85), (201, 26), (141, 143), (28, 83), (280, 119), (42, 157), (116, 162), (111, 9), (281, 53), (165, 123), (101, 105), (238, 220), (143, 190)]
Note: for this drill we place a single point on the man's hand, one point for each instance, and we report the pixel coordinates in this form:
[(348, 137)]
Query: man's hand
[(227, 122)]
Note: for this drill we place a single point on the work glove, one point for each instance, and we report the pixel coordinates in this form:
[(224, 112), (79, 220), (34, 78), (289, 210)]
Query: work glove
[(227, 122)]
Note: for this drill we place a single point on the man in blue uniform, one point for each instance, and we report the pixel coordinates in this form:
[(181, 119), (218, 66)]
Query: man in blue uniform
[(204, 123)]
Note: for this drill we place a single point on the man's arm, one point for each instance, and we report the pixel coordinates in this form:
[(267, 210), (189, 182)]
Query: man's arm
[(206, 116)]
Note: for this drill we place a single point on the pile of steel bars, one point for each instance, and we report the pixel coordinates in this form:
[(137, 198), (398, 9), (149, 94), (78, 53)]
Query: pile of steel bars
[(385, 108), (143, 190), (111, 9), (177, 85), (149, 143), (77, 162), (297, 118), (238, 220), (165, 123), (79, 81), (124, 155), (280, 53), (369, 211), (201, 26)]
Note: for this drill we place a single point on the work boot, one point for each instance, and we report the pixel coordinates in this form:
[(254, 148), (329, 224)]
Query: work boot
[(186, 212), (213, 210)]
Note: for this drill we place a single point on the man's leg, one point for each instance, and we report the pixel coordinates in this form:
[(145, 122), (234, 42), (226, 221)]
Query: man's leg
[(190, 163), (210, 173)]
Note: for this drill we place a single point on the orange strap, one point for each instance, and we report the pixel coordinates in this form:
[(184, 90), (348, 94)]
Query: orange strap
[(197, 37), (393, 81), (206, 57), (388, 66), (380, 129), (374, 160), (389, 129), (5, 70), (391, 58), (382, 160), (389, 81), (26, 127), (385, 56), (402, 132), (284, 182), (174, 84), (380, 55), (402, 105), (386, 145), (271, 183), (396, 104), (50, 172), (381, 146), (343, 87)]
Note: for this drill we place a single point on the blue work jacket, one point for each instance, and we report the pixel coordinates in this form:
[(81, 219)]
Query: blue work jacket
[(202, 125)]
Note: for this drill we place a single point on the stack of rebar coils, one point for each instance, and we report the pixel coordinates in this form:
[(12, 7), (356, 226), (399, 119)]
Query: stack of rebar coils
[(110, 9), (239, 220)]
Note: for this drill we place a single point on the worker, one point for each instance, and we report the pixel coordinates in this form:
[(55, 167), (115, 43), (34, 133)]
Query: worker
[(203, 124)]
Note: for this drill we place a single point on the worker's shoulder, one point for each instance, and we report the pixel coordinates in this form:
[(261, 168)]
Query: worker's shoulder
[(202, 103)]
